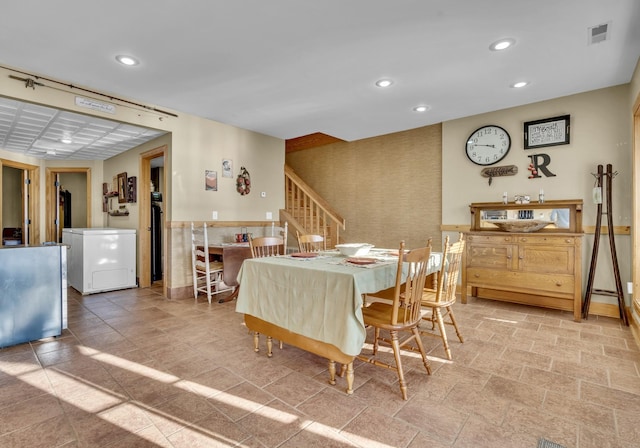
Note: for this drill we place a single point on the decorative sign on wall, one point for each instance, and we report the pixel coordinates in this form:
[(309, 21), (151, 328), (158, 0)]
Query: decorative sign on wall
[(539, 164), (547, 132), (499, 171), (95, 105), (243, 182)]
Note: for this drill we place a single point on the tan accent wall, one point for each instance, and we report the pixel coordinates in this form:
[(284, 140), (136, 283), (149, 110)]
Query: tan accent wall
[(387, 188), (600, 134)]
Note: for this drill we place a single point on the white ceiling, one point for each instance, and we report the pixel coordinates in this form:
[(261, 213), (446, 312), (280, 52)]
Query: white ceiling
[(289, 68)]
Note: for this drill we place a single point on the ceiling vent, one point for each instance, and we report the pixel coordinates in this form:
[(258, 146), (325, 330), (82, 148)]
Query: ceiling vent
[(599, 33)]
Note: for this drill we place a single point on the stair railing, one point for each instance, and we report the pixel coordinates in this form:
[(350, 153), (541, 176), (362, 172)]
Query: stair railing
[(308, 211)]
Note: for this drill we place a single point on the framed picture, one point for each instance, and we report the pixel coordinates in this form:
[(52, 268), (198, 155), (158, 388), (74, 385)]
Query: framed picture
[(211, 180), (547, 132), (122, 187), (227, 168), (132, 189)]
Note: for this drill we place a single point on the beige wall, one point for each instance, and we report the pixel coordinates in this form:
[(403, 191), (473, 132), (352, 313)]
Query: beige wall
[(390, 180), (634, 96), (634, 85), (195, 144), (600, 134), (346, 174), (387, 188)]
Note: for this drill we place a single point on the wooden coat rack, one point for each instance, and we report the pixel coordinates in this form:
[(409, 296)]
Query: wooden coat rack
[(612, 244)]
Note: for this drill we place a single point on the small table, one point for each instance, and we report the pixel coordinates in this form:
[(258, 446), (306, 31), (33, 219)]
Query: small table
[(315, 303), (233, 255)]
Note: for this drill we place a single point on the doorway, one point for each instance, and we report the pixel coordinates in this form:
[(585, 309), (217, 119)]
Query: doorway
[(153, 162), (70, 204), (19, 201)]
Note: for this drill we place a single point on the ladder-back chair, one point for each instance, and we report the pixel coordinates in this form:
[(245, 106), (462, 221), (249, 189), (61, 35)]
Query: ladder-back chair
[(311, 242), (441, 299), (403, 315), (207, 273)]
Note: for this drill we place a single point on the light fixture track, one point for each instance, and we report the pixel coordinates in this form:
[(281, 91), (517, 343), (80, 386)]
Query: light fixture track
[(32, 82)]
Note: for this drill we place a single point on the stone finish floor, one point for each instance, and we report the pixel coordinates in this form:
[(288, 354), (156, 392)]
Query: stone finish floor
[(137, 370)]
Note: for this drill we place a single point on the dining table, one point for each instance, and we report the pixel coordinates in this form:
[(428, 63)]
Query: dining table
[(314, 301)]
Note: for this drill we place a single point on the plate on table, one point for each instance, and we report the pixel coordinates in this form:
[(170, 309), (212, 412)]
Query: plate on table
[(361, 260), (304, 254)]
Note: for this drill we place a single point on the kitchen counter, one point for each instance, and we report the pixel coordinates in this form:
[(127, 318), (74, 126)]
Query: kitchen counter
[(33, 293)]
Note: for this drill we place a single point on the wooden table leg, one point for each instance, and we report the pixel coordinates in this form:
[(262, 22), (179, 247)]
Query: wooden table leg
[(350, 378), (269, 346), (350, 375), (332, 372), (256, 341)]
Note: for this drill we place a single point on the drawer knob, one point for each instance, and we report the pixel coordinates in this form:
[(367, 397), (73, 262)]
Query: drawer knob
[(476, 275), (558, 284)]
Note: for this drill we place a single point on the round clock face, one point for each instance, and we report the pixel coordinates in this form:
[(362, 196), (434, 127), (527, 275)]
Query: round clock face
[(488, 145)]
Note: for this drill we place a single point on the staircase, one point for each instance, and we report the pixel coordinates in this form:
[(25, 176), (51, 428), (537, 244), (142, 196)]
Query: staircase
[(307, 212)]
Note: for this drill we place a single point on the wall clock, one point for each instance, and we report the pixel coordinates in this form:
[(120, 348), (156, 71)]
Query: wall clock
[(488, 145)]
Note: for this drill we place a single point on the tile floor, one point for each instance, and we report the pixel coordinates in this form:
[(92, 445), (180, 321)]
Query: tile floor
[(135, 369)]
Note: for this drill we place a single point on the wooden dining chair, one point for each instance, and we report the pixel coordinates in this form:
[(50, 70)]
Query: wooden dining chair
[(266, 246), (403, 315), (311, 242), (207, 274), (441, 299)]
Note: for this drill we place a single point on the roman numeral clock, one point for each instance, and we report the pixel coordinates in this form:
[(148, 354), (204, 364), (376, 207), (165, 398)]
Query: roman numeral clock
[(488, 145)]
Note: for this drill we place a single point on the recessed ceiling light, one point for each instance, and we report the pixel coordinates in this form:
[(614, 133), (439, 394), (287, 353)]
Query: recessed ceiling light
[(502, 44), (67, 140), (421, 108), (519, 84), (384, 83), (51, 152), (127, 60)]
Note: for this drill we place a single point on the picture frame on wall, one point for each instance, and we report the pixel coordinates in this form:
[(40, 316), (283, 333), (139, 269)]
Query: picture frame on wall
[(211, 180), (132, 189), (227, 168), (547, 132), (122, 187)]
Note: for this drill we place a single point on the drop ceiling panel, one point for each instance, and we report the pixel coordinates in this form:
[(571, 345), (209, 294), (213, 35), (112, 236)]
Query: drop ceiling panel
[(37, 131)]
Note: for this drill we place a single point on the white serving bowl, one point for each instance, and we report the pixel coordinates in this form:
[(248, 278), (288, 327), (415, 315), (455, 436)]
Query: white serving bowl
[(354, 249)]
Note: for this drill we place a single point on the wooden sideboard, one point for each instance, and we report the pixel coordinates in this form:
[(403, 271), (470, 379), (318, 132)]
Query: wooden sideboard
[(542, 268)]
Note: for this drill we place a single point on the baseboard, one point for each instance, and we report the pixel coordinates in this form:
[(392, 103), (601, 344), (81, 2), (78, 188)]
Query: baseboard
[(635, 329), (595, 308), (183, 292), (604, 309)]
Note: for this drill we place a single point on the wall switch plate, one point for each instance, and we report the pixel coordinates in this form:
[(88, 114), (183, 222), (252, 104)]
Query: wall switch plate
[(269, 215), (263, 194), (630, 287), (214, 215)]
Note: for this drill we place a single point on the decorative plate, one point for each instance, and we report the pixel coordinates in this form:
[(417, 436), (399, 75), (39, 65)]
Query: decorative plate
[(358, 260), (304, 254)]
